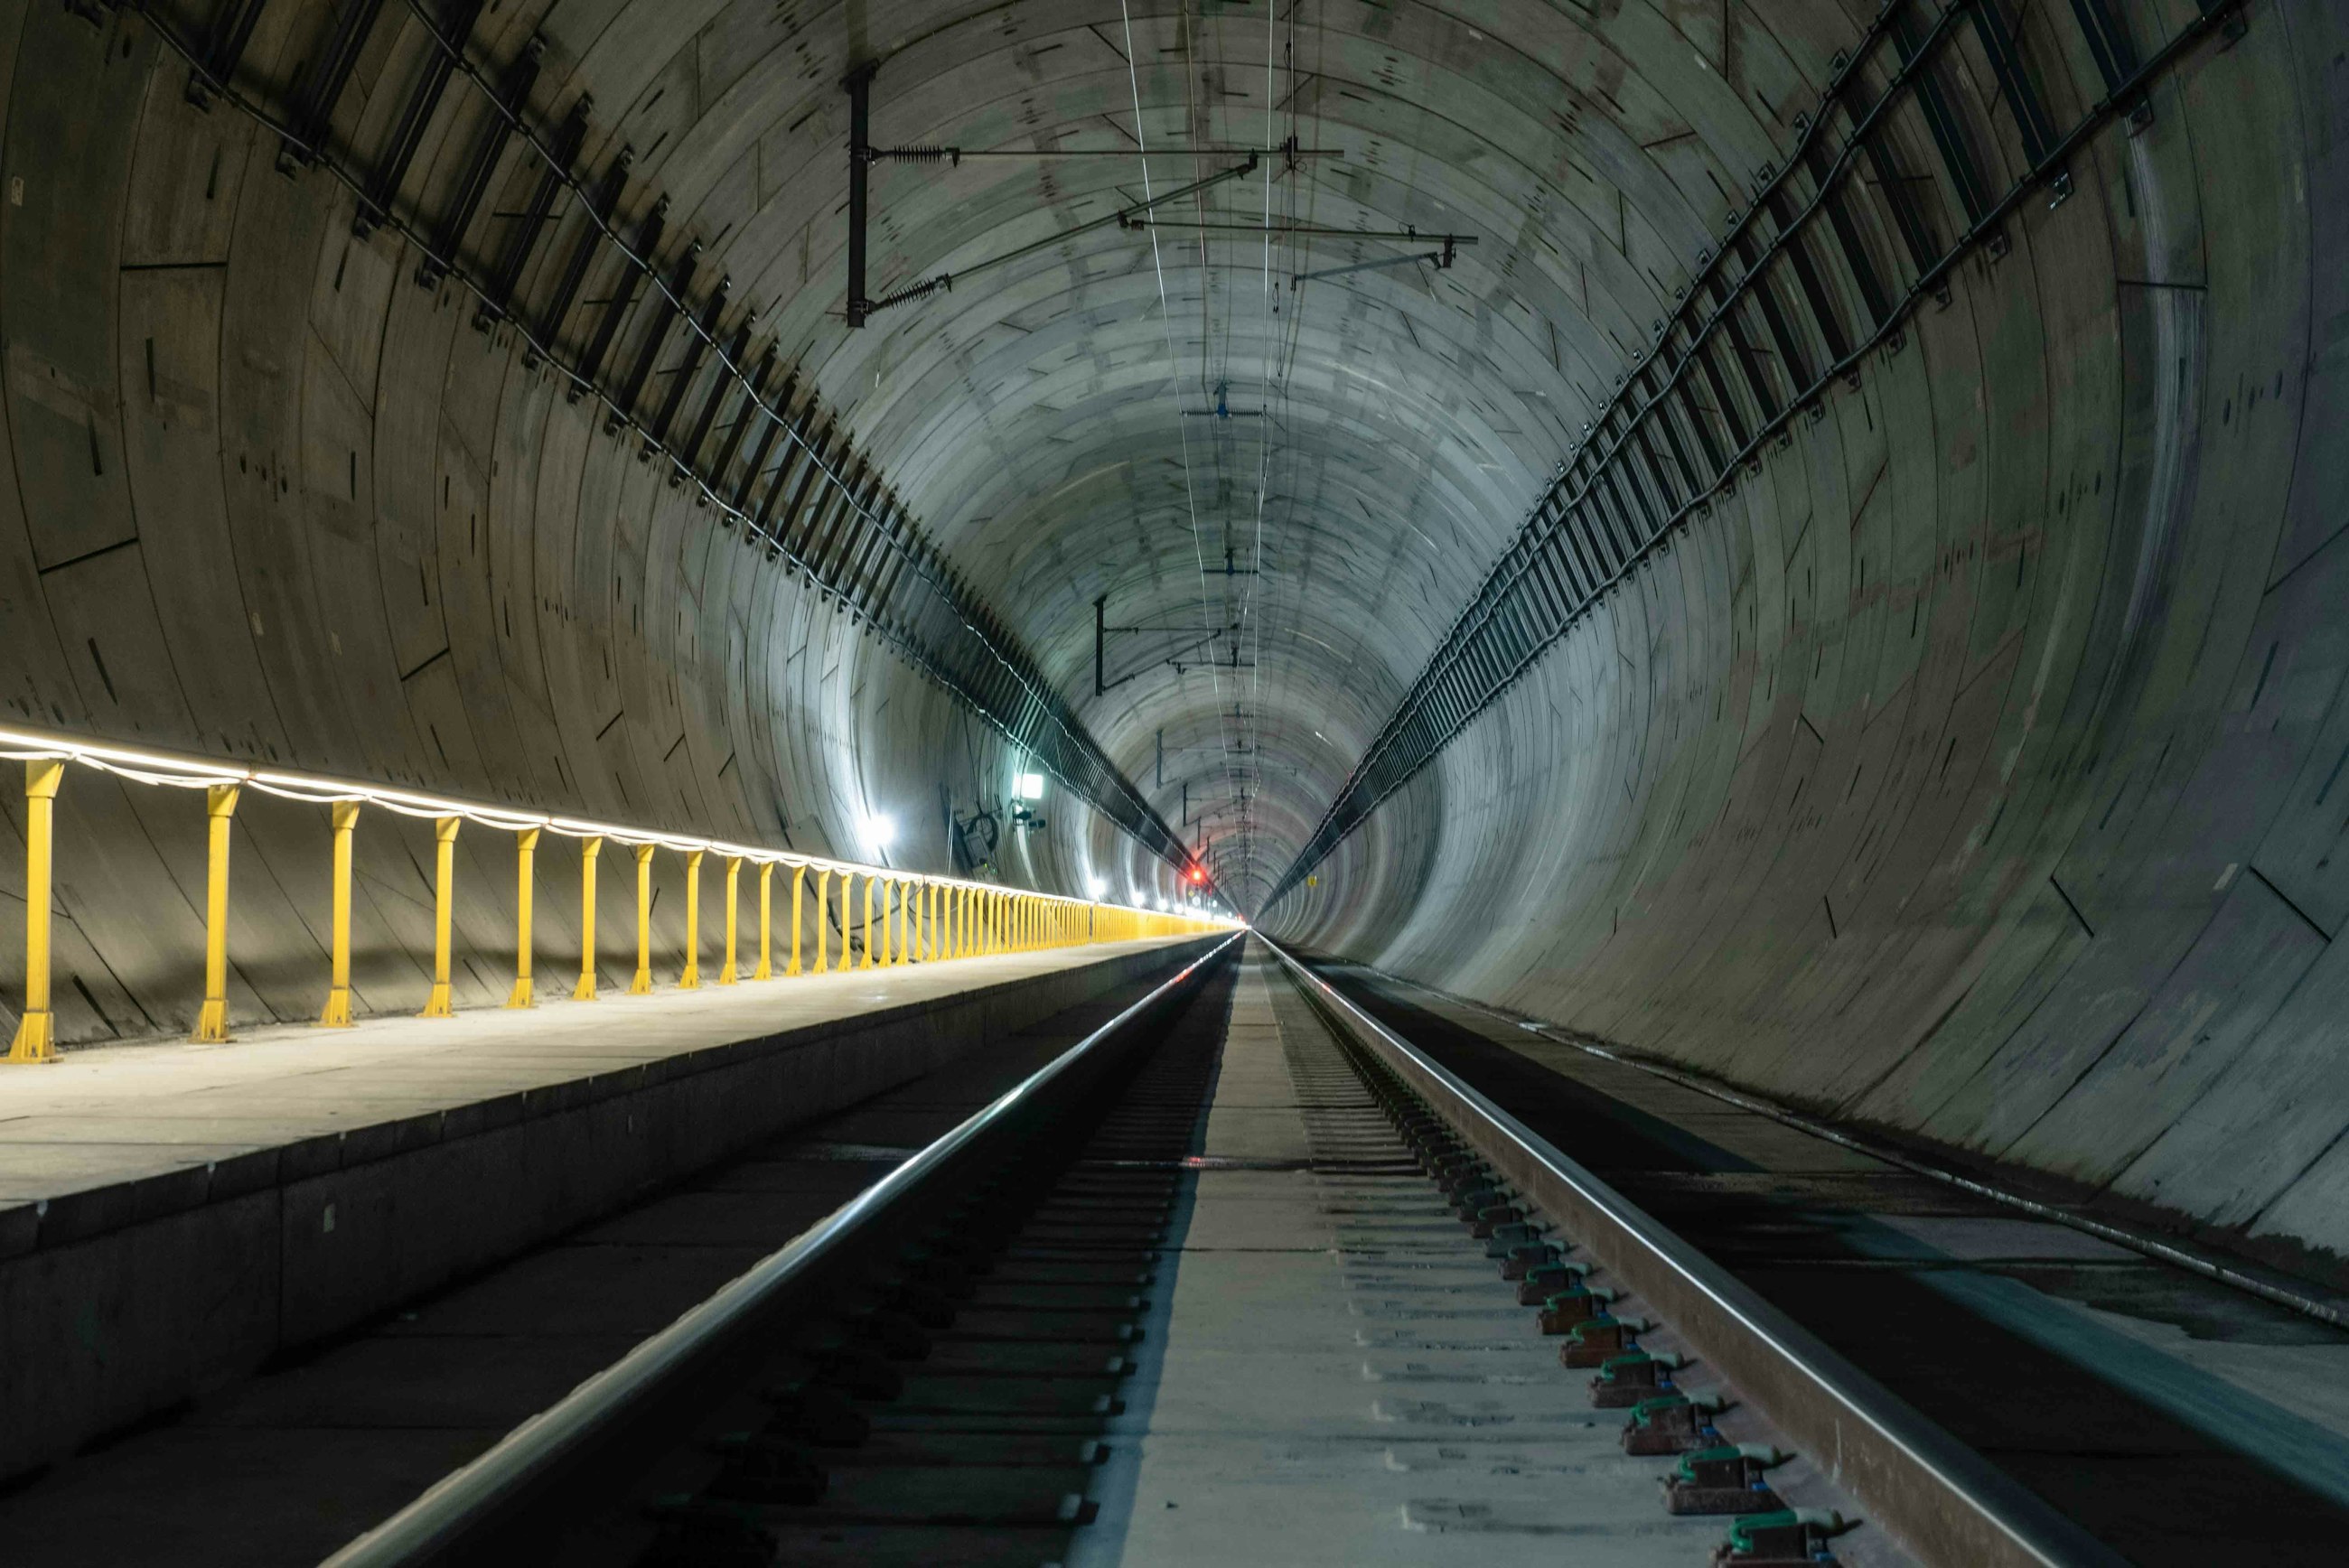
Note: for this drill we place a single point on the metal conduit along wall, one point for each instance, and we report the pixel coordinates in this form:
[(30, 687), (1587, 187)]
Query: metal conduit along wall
[(1971, 765), (296, 332)]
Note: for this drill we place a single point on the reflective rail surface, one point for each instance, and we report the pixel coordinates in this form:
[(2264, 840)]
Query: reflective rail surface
[(1936, 1496), (454, 1517), (922, 918)]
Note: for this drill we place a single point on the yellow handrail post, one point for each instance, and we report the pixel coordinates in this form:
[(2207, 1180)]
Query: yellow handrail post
[(799, 890), (36, 1038), (444, 900), (731, 974), (589, 849), (336, 1014), (869, 880), (642, 985), (766, 969), (889, 891), (823, 921), (691, 979), (525, 993), (220, 810)]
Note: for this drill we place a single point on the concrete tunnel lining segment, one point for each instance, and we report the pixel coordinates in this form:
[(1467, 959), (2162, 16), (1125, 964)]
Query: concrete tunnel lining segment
[(1973, 773)]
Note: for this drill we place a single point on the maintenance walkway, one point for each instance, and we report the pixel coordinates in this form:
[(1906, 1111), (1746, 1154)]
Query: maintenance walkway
[(172, 1216)]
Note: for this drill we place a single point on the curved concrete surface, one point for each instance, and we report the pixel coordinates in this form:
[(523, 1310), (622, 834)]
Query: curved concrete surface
[(2005, 816)]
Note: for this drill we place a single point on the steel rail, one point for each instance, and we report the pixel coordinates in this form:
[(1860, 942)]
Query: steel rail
[(1526, 551), (1165, 843), (2332, 1310), (1938, 1497), (472, 1499)]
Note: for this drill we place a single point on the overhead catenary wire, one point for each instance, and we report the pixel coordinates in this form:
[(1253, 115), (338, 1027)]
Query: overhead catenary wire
[(1175, 379)]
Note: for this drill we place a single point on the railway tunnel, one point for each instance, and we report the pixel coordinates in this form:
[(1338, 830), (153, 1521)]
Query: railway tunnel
[(901, 527)]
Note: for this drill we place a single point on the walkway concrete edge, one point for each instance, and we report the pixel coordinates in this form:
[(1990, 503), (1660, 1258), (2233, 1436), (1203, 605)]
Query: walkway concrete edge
[(133, 1310)]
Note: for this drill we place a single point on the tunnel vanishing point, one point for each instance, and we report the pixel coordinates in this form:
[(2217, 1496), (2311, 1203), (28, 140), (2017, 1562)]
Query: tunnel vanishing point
[(1805, 543)]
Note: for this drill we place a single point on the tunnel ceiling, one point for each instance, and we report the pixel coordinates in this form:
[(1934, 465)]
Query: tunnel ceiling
[(1125, 414), (1945, 724)]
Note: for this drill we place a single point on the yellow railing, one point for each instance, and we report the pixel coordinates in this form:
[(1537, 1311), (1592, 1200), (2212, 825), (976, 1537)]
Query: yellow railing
[(921, 918)]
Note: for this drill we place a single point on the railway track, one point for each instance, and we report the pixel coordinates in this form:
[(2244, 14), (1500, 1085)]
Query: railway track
[(2003, 1380), (958, 1367)]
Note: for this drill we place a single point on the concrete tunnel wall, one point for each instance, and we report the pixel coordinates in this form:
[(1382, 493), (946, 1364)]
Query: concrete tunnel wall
[(1977, 769), (268, 500), (1973, 769)]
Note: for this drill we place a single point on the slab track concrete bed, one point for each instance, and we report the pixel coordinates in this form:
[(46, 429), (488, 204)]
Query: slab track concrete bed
[(172, 1216)]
